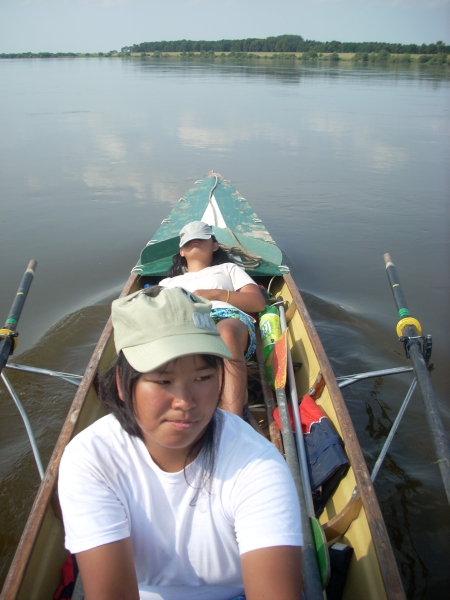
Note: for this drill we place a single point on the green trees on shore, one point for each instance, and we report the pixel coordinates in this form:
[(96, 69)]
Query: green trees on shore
[(283, 46), (53, 54), (286, 43)]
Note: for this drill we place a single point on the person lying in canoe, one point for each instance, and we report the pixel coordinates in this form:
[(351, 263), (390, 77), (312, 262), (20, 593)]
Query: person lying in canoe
[(168, 496), (205, 269)]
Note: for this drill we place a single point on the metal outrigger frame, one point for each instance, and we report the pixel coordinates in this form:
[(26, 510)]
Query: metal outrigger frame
[(70, 378), (347, 380)]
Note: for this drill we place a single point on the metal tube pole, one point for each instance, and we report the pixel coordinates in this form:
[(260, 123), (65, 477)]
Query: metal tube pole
[(23, 414), (393, 431), (345, 380), (69, 377), (311, 575), (298, 426)]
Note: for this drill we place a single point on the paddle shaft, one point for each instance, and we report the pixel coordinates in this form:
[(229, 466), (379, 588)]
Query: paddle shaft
[(7, 342), (297, 421), (440, 441), (311, 576), (323, 560)]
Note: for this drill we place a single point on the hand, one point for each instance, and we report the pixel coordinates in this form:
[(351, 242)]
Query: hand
[(249, 298)]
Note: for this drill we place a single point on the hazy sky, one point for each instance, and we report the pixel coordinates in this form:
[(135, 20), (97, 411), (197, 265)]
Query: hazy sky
[(102, 25)]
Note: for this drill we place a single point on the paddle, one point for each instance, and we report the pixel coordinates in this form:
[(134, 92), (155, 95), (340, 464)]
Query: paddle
[(409, 331), (321, 547), (311, 576), (8, 335)]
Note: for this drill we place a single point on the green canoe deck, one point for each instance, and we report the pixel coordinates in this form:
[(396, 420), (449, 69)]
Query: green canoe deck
[(236, 226)]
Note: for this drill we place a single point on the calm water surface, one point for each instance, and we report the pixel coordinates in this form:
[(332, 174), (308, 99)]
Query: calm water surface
[(341, 163)]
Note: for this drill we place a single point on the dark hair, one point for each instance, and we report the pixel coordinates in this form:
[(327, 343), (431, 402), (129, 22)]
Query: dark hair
[(179, 265), (124, 411)]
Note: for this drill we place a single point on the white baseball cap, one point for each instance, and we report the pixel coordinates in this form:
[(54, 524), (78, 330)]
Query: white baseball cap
[(196, 230)]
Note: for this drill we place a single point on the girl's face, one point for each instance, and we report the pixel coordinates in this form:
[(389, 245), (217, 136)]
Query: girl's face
[(173, 406), (199, 250)]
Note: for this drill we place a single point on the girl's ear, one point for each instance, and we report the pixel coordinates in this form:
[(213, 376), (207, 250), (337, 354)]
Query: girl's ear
[(215, 246), (182, 253), (118, 383)]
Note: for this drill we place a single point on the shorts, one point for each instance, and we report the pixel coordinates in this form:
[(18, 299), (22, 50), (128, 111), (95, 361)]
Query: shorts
[(217, 314)]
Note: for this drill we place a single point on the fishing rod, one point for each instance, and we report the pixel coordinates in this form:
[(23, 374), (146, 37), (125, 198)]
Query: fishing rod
[(418, 349), (8, 335)]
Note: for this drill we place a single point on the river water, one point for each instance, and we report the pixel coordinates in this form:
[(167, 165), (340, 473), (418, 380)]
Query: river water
[(342, 164)]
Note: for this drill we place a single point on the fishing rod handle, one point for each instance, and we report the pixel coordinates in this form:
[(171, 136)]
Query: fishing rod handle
[(21, 295), (397, 291), (407, 326)]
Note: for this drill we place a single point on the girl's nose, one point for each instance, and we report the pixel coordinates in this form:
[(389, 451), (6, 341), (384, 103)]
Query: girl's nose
[(183, 399)]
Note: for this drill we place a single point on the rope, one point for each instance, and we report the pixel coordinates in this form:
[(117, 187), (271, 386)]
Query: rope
[(246, 259)]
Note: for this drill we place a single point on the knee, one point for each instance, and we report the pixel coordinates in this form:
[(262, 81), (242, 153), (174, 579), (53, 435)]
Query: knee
[(235, 337)]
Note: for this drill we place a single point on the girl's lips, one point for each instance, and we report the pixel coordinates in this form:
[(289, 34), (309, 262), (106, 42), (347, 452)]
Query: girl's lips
[(182, 425)]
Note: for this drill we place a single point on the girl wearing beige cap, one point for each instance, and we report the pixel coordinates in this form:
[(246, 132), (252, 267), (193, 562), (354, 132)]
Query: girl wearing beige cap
[(169, 497), (204, 268)]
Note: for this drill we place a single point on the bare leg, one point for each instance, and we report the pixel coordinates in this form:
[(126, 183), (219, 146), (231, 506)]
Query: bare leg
[(235, 335)]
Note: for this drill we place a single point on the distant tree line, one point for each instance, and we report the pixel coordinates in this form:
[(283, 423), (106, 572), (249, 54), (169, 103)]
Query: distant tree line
[(286, 43), (53, 54), (38, 55), (283, 46)]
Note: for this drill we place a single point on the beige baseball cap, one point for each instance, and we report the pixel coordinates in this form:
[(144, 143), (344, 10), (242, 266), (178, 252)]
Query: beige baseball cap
[(157, 325), (195, 230)]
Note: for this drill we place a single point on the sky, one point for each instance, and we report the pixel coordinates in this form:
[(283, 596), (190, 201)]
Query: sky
[(103, 25)]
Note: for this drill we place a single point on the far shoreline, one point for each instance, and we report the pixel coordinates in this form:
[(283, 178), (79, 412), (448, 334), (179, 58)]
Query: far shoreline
[(382, 57)]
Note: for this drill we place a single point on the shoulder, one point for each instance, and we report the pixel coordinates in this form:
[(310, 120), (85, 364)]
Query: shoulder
[(100, 438), (238, 274), (256, 487), (231, 267), (241, 445)]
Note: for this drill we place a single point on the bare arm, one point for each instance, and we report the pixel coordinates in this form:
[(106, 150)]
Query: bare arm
[(108, 572), (248, 299), (273, 573)]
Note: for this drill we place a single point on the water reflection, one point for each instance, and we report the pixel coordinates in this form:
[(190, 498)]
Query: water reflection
[(290, 71)]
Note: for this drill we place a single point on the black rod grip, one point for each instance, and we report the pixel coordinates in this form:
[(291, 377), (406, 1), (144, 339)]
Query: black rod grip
[(21, 296), (400, 300), (7, 339)]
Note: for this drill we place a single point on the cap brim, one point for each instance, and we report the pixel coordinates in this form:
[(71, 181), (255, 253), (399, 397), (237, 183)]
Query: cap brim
[(150, 356), (195, 237)]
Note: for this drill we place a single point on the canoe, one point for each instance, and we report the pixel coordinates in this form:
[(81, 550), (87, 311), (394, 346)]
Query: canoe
[(351, 516)]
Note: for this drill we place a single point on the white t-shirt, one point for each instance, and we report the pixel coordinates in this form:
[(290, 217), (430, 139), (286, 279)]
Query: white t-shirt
[(111, 489), (226, 276)]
